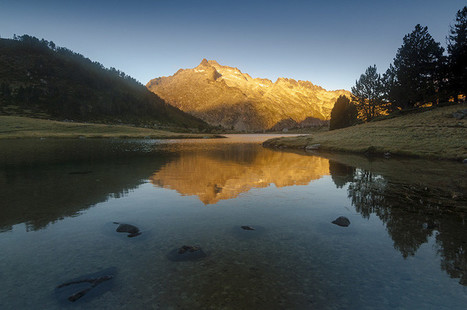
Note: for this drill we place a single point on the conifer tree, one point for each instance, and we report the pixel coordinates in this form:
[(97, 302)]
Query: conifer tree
[(367, 94), (457, 49), (416, 74)]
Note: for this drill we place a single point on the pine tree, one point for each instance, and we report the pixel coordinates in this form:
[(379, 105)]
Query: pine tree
[(457, 49), (416, 73), (367, 94)]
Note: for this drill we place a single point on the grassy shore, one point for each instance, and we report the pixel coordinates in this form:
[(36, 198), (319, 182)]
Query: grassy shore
[(430, 134), (13, 127)]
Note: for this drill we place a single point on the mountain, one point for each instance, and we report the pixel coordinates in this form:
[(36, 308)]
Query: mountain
[(222, 95), (41, 80)]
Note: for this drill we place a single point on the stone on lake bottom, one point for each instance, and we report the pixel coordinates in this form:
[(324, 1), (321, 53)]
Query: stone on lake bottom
[(85, 287), (247, 232), (247, 228), (132, 231), (341, 221), (186, 253)]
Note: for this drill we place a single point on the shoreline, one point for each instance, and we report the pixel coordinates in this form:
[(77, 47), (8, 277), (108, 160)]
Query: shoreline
[(433, 134)]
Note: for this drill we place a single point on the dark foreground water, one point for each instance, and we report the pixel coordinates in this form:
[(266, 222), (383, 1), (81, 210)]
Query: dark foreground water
[(406, 246)]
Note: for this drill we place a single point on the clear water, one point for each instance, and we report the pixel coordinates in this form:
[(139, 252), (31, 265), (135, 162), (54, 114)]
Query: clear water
[(404, 249)]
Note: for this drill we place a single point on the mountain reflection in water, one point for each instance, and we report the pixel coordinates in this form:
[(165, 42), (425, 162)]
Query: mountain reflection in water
[(213, 176)]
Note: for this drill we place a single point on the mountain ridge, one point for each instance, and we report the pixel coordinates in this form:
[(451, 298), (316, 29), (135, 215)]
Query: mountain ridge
[(225, 96)]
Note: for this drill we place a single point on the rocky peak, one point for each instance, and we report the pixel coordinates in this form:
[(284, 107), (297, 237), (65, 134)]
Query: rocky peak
[(204, 63), (223, 95)]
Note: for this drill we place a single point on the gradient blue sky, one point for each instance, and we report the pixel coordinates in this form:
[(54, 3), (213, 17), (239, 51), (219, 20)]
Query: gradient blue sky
[(329, 43)]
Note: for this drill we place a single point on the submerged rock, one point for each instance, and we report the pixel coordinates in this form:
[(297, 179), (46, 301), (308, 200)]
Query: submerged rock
[(188, 248), (132, 231), (247, 228), (186, 253), (85, 287), (341, 221), (247, 232)]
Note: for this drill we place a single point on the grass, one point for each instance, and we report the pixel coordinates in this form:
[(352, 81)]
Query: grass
[(430, 134), (14, 127)]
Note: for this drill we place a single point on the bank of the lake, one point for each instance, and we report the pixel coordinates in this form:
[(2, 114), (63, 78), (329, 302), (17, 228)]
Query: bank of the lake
[(14, 127), (431, 134)]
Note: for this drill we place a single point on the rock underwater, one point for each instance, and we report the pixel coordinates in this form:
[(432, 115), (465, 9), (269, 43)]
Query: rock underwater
[(247, 232), (341, 221), (247, 228), (85, 287), (132, 231), (186, 253)]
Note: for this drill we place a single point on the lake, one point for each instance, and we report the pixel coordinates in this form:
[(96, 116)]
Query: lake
[(405, 247)]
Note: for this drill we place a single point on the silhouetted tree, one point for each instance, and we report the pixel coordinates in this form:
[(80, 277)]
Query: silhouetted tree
[(367, 94), (415, 76), (343, 114), (457, 49)]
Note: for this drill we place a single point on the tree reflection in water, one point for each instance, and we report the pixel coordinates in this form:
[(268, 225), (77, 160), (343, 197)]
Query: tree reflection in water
[(412, 213)]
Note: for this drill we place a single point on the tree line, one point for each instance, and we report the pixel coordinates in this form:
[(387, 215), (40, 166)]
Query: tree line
[(420, 75), (41, 79)]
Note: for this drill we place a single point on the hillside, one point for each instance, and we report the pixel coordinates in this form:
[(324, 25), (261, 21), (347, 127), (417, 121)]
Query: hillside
[(222, 95), (430, 134), (41, 80)]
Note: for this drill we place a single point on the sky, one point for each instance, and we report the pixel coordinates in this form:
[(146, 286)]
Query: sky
[(329, 43)]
